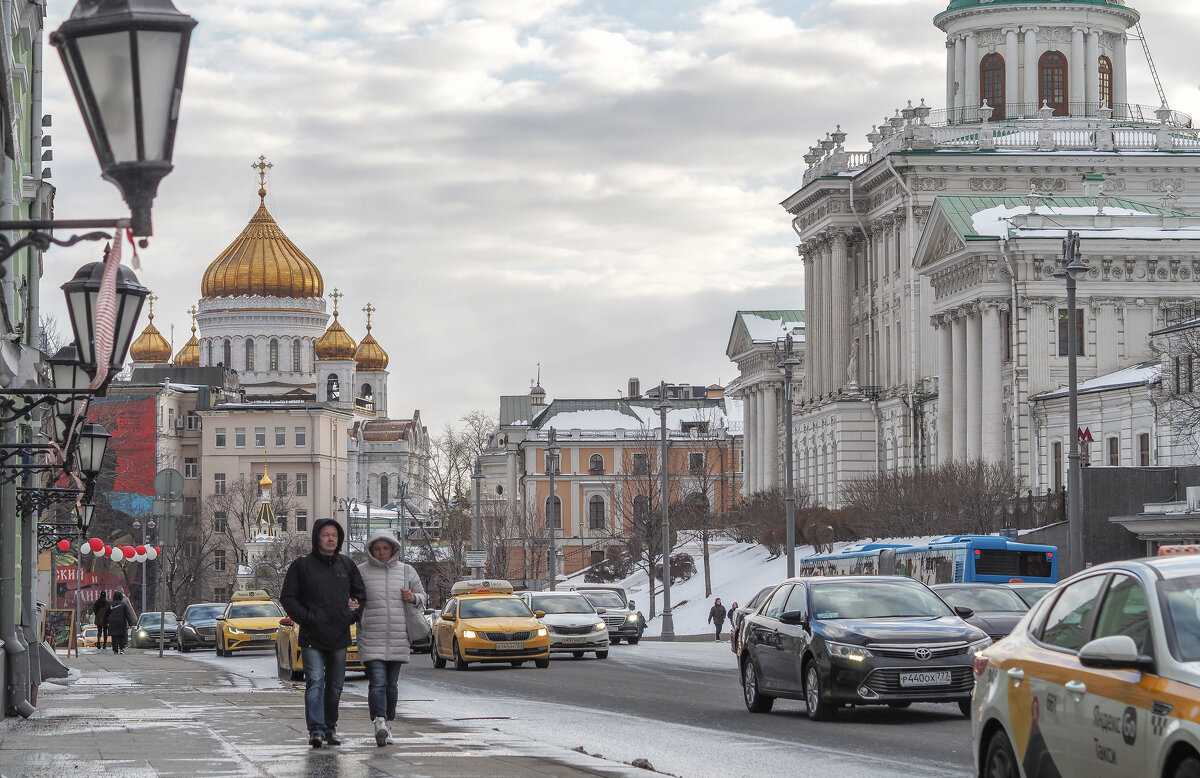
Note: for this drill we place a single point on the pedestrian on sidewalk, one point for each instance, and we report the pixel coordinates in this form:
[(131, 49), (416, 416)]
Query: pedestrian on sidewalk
[(716, 615), (100, 617), (323, 592), (384, 645), (733, 625), (119, 619)]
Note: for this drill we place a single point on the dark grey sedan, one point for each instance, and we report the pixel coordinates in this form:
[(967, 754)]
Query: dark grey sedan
[(199, 626), (997, 608), (857, 640)]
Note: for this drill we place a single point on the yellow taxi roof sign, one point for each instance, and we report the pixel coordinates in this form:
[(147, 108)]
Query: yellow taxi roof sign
[(481, 586), (249, 594), (1178, 549)]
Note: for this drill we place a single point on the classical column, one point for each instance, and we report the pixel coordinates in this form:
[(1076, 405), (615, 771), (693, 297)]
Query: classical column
[(1120, 78), (1029, 95), (974, 356), (810, 307), (763, 423), (1091, 72), (959, 74), (971, 71), (828, 326), (1012, 68), (993, 363), (949, 74), (771, 439), (840, 311), (814, 324), (749, 443), (1077, 69), (1040, 318), (960, 382), (945, 417)]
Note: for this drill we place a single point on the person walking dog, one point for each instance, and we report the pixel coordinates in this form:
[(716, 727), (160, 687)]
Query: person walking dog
[(323, 592), (383, 640), (716, 615)]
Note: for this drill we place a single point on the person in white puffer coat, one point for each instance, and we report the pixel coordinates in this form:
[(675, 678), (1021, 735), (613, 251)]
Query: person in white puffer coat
[(383, 643)]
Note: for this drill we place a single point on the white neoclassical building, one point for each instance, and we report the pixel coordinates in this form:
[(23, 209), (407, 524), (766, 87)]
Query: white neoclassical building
[(933, 322)]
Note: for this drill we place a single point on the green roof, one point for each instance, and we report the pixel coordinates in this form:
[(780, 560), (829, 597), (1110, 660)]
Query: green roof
[(959, 5), (960, 209)]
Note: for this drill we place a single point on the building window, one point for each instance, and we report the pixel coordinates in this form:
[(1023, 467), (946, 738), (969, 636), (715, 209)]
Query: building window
[(1063, 323), (208, 350), (191, 506), (1144, 449), (383, 490), (1057, 464), (219, 435), (366, 392), (191, 549), (282, 521), (280, 437), (331, 388), (1106, 82), (302, 521), (1114, 452), (191, 467), (1052, 82), (595, 556), (193, 420), (249, 355), (239, 437), (301, 484), (301, 436), (220, 522), (228, 353), (641, 508), (991, 83), (219, 560), (596, 513), (641, 464), (273, 354), (296, 356), (218, 483), (696, 462), (554, 510), (281, 484), (595, 464), (260, 437)]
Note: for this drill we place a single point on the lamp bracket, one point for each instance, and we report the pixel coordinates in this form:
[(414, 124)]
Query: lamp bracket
[(11, 410), (37, 499), (39, 238), (48, 535)]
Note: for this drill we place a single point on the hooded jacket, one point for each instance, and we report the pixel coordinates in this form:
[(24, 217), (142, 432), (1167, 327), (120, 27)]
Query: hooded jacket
[(383, 631), (120, 615), (316, 594)]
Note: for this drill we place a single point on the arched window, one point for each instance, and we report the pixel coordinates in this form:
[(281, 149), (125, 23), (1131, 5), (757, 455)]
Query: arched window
[(1106, 82), (1052, 82), (383, 490), (366, 392), (332, 390), (249, 354), (554, 511), (991, 83), (641, 508), (296, 355), (228, 354), (596, 517), (274, 354), (595, 463), (208, 351)]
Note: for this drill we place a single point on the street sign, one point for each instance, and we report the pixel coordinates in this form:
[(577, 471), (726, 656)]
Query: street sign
[(161, 508), (1085, 434), (168, 482), (475, 558)]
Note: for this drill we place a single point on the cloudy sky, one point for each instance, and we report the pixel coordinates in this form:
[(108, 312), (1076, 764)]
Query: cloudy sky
[(588, 184)]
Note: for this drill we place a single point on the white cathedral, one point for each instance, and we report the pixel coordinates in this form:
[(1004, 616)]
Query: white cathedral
[(933, 326)]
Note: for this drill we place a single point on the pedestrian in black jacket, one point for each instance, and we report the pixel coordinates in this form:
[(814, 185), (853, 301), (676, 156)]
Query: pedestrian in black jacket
[(120, 618), (716, 615), (100, 616), (323, 592)]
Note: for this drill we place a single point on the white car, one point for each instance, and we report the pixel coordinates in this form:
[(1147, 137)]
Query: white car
[(1101, 678), (575, 625)]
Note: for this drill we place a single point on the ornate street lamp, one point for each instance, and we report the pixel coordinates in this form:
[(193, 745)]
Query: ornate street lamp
[(668, 620), (477, 476), (1073, 268), (787, 365), (82, 295), (93, 440), (553, 511)]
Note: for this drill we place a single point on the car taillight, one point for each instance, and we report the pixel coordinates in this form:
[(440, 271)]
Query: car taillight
[(979, 663)]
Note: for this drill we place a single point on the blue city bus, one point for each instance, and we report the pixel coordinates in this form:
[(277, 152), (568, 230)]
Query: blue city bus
[(948, 559)]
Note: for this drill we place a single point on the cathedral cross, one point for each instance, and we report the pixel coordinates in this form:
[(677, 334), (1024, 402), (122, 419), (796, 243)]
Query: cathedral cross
[(192, 312), (369, 309), (336, 295)]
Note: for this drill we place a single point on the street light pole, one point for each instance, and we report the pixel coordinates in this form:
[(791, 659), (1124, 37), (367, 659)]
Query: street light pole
[(668, 621), (1071, 269), (478, 476), (148, 525), (552, 510), (787, 364)]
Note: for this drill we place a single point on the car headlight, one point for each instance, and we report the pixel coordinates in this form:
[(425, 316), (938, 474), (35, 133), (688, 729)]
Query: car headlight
[(141, 633), (852, 653), (978, 645), (541, 633), (632, 617), (190, 629), (469, 633), (599, 627), (234, 631)]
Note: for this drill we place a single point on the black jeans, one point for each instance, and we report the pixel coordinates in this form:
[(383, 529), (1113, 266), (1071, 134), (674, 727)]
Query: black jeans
[(720, 623), (119, 641), (101, 635)]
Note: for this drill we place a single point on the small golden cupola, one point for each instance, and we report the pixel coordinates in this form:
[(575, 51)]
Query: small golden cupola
[(189, 355), (262, 261), (370, 355), (150, 347), (336, 343)]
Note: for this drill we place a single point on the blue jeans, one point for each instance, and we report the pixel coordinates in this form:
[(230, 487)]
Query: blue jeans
[(324, 673), (383, 677)]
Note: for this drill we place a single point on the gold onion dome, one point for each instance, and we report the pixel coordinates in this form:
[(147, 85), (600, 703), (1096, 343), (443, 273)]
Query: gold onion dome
[(189, 355), (262, 261), (370, 355), (150, 346), (336, 343)]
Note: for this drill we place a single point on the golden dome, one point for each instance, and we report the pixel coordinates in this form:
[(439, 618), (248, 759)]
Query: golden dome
[(265, 482), (336, 343), (189, 355), (150, 346), (370, 355), (262, 261)]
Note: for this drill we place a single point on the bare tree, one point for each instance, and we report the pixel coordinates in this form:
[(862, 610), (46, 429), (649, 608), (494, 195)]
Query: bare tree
[(700, 506), (1179, 389)]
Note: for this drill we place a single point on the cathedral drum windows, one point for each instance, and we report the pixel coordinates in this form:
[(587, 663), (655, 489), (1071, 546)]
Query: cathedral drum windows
[(1106, 82), (249, 355), (273, 355), (296, 367), (1052, 82), (991, 83)]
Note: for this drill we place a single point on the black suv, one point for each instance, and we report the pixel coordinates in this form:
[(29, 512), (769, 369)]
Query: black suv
[(621, 615)]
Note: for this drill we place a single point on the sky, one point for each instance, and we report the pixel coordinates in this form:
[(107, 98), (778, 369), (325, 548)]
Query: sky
[(592, 185)]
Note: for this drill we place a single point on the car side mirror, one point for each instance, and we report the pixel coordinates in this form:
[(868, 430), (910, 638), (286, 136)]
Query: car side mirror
[(220, 618), (286, 621), (601, 611), (963, 611), (794, 617), (1115, 652), (539, 614), (448, 616), (632, 605)]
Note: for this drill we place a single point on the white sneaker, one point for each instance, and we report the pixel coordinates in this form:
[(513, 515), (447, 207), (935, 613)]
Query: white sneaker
[(391, 741), (382, 735)]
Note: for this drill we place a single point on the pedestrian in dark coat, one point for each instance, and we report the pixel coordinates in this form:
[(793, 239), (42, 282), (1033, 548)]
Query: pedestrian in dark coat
[(100, 617), (716, 615), (323, 592), (120, 618)]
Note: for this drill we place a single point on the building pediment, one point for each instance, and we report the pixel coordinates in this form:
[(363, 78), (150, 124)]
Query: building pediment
[(941, 239)]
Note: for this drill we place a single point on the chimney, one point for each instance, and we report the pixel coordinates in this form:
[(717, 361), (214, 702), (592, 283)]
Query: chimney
[(635, 388)]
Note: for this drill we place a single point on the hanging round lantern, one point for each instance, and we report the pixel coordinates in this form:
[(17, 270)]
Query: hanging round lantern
[(63, 545), (117, 555), (96, 544), (140, 550), (128, 551), (151, 553), (107, 550), (84, 549)]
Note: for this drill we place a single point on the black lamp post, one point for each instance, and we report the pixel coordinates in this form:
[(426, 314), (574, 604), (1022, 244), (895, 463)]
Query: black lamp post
[(1071, 270), (787, 365), (83, 292), (93, 441)]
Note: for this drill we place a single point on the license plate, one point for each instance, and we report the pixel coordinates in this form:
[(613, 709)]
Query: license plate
[(940, 678), (573, 641), (510, 646), (262, 638)]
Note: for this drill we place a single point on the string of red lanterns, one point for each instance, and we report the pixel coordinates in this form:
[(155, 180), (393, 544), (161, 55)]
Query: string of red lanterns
[(115, 553)]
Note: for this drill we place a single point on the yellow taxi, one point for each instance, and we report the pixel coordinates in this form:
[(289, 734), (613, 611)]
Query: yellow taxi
[(288, 661), (1100, 678), (89, 636), (483, 621), (251, 620)]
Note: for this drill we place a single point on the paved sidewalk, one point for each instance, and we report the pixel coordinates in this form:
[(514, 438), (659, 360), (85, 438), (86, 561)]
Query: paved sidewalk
[(139, 715)]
